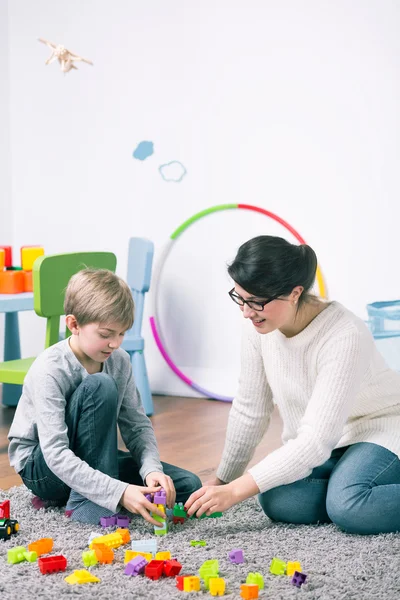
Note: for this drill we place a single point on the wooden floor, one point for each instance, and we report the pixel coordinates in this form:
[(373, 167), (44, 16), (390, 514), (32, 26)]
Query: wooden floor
[(190, 433)]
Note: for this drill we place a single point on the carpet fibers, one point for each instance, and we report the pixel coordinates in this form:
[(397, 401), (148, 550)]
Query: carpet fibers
[(339, 566)]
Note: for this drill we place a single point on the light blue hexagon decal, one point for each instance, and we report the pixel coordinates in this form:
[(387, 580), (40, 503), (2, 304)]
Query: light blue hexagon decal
[(172, 171), (143, 150)]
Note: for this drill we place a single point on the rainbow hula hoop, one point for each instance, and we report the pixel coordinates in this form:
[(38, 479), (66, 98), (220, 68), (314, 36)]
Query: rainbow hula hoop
[(155, 327)]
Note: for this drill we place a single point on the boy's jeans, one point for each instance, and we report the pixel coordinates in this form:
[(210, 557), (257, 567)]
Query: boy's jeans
[(358, 488), (91, 420)]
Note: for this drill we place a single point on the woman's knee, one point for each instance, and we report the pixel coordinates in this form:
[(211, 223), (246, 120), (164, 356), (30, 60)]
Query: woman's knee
[(302, 502), (349, 509)]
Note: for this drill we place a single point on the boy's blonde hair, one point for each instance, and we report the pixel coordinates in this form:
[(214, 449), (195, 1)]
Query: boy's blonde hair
[(99, 296)]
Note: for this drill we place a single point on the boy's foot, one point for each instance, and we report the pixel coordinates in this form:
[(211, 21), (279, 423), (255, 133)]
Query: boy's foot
[(39, 503)]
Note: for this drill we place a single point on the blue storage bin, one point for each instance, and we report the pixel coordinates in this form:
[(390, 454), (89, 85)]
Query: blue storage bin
[(384, 323)]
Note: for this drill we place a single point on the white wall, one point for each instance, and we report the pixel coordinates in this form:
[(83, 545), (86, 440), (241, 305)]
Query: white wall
[(286, 105)]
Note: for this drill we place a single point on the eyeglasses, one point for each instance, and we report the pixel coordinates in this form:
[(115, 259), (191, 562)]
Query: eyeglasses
[(251, 303)]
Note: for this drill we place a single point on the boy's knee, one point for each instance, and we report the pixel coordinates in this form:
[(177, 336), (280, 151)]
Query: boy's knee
[(101, 386), (192, 482)]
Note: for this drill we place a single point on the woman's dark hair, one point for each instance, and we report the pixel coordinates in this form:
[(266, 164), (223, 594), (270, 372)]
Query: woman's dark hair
[(267, 266)]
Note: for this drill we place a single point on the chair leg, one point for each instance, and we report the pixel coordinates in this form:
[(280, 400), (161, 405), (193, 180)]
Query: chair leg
[(142, 381), (12, 350)]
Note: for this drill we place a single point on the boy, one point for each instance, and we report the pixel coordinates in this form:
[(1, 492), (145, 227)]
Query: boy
[(63, 439)]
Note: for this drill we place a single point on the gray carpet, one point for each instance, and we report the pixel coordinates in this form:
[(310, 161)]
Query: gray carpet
[(339, 566)]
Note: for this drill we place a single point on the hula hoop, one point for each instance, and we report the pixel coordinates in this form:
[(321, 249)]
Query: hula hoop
[(154, 321)]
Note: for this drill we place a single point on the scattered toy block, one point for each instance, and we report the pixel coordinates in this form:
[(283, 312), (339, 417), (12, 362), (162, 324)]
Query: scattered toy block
[(136, 566), (172, 567), (249, 591), (298, 578), (160, 497), (191, 584), (108, 521), (80, 577), (104, 554), (52, 564), (217, 586), (236, 556), (125, 535), (131, 554), (277, 567), (30, 556), (42, 546), (16, 555), (163, 555), (179, 581), (292, 567), (198, 543), (144, 545), (257, 579), (112, 540), (89, 558), (154, 569)]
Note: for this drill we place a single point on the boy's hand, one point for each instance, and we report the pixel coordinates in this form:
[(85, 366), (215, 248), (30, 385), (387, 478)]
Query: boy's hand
[(133, 500), (158, 478)]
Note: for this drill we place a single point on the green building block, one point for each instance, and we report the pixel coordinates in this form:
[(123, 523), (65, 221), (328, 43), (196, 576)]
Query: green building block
[(278, 567), (89, 558), (179, 511), (209, 569), (256, 578), (30, 556), (198, 543), (16, 555)]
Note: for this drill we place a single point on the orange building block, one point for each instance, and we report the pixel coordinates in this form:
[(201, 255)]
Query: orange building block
[(103, 554), (28, 256), (28, 281), (12, 282), (8, 255), (42, 546), (249, 591), (124, 533)]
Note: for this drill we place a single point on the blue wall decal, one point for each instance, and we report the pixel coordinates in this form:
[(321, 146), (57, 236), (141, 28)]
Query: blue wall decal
[(172, 171), (143, 150)]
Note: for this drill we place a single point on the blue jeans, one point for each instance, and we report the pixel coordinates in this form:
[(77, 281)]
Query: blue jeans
[(357, 488), (91, 418)]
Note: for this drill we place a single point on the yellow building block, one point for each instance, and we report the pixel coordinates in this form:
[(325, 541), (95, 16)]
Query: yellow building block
[(80, 577), (163, 555), (292, 567), (217, 586), (191, 584), (28, 256), (2, 259), (130, 554), (161, 507), (111, 540)]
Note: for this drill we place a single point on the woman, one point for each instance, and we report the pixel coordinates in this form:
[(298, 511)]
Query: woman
[(339, 402)]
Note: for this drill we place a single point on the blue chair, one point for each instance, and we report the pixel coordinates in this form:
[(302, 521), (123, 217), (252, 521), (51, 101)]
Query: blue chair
[(140, 260)]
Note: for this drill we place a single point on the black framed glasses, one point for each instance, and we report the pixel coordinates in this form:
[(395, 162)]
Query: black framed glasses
[(253, 304)]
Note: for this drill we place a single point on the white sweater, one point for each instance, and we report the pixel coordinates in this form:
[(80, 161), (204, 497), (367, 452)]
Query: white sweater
[(332, 388)]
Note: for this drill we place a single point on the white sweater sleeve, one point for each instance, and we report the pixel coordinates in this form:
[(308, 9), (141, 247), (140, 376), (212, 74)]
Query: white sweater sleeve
[(341, 364), (250, 412)]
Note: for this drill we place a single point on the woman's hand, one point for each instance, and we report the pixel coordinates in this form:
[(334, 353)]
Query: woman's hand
[(157, 478), (133, 499), (210, 499)]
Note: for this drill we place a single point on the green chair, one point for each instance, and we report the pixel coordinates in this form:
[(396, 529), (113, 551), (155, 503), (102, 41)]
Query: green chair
[(50, 278)]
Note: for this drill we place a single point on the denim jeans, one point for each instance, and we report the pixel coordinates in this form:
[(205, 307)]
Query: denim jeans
[(357, 488), (91, 419)]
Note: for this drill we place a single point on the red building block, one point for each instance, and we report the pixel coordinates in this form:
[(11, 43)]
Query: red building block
[(172, 568), (8, 255), (52, 564), (154, 569), (5, 509)]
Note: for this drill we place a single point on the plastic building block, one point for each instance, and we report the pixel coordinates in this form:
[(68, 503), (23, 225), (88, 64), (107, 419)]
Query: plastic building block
[(112, 540), (2, 259), (236, 556), (80, 577), (16, 555), (256, 578), (163, 555), (179, 581), (136, 566), (12, 282), (162, 529), (125, 535), (5, 509), (28, 256), (30, 556), (160, 497), (292, 567), (179, 511), (52, 564), (123, 521), (198, 543), (191, 584), (154, 569), (208, 570), (277, 567), (144, 545), (249, 591), (108, 521), (104, 554), (7, 255), (298, 578), (28, 281), (211, 564), (172, 568), (130, 554), (42, 546), (215, 515), (217, 586), (89, 558)]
